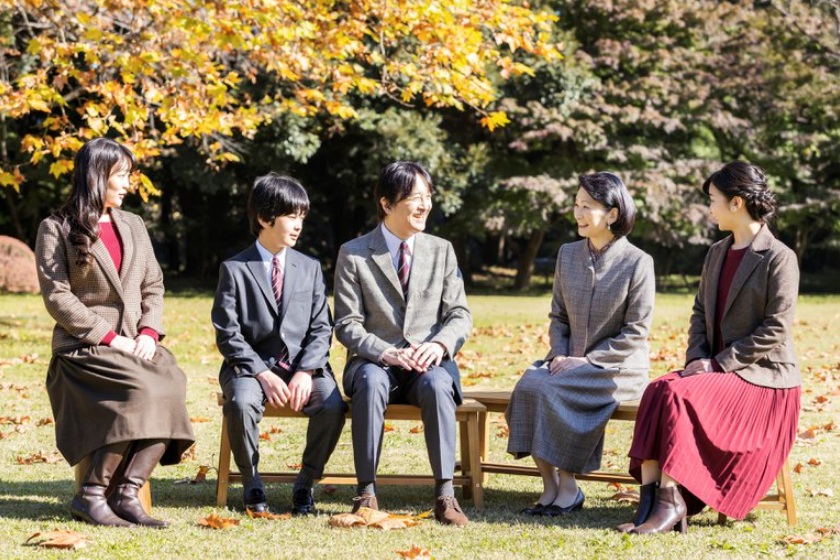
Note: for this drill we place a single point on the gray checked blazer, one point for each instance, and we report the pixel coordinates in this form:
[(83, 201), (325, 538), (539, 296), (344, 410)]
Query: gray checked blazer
[(757, 323), (87, 302), (250, 331), (603, 312), (372, 313)]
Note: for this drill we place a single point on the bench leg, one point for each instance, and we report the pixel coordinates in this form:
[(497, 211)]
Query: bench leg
[(466, 466), (786, 494), (721, 519), (224, 467), (484, 437), (476, 472)]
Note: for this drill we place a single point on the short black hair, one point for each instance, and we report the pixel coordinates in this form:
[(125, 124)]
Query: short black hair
[(275, 195), (396, 182), (739, 178), (609, 190)]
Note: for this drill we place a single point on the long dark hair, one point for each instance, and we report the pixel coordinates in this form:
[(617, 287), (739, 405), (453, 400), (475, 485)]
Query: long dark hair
[(739, 178), (80, 214)]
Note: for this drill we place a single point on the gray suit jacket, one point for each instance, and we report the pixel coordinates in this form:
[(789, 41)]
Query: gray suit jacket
[(757, 324), (87, 302), (372, 314), (603, 312), (249, 330)]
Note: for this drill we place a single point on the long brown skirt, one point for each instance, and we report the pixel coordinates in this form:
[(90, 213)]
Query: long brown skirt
[(101, 395)]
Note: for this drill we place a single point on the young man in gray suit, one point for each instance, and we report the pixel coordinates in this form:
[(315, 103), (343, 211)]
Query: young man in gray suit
[(402, 313), (273, 329)]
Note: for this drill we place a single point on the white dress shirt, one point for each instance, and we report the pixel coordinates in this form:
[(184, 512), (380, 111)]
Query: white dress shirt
[(393, 242), (267, 258)]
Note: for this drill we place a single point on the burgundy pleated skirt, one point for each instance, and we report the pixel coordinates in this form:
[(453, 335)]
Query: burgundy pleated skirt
[(723, 439)]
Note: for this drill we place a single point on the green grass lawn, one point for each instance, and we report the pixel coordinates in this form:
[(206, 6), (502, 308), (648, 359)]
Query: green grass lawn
[(510, 332)]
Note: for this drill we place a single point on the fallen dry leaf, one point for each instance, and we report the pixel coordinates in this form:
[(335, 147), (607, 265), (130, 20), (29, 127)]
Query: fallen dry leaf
[(59, 538), (416, 429), (39, 458), (294, 466), (798, 468), (189, 454), (504, 431), (346, 521), (275, 430), (267, 515), (329, 489), (376, 519), (814, 462), (415, 553), (265, 436), (389, 428), (44, 422), (200, 476), (629, 496), (213, 521), (199, 419), (16, 420)]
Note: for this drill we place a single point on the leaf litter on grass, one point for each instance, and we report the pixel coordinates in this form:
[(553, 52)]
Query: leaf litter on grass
[(376, 519), (58, 538)]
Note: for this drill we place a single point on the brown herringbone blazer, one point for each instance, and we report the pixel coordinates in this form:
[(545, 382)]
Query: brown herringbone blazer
[(757, 325), (87, 302)]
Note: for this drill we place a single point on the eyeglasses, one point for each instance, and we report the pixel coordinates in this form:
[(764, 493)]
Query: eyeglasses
[(418, 198)]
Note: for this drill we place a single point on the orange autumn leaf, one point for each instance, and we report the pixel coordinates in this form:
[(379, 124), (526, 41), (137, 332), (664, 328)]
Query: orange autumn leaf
[(265, 436), (213, 521), (417, 429), (376, 519), (44, 422), (504, 431), (830, 427), (389, 427), (294, 466), (814, 462), (267, 515), (798, 468), (16, 420), (415, 553), (39, 458), (200, 476), (59, 538), (275, 430), (199, 419)]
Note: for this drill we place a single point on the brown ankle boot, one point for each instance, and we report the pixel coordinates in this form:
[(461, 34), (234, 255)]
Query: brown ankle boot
[(669, 512), (89, 503), (647, 495), (143, 459)]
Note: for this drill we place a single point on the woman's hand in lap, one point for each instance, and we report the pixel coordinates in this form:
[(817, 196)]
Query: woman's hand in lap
[(145, 347), (124, 344), (697, 366), (559, 364)]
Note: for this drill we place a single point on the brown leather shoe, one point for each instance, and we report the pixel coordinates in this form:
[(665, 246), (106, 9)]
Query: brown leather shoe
[(365, 500), (143, 458), (448, 512), (669, 512)]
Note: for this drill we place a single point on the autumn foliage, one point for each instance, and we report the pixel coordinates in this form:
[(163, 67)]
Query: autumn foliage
[(156, 73)]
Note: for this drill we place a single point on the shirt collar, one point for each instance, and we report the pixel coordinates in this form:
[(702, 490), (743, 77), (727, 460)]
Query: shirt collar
[(393, 242), (267, 257)]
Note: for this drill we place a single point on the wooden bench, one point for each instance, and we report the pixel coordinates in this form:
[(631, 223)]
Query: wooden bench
[(467, 415), (144, 495), (497, 401)]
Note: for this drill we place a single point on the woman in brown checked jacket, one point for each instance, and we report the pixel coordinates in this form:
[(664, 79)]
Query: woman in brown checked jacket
[(117, 397)]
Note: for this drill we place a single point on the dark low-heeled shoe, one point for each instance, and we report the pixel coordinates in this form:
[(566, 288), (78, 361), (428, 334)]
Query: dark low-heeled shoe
[(256, 501), (536, 509), (302, 502), (554, 511)]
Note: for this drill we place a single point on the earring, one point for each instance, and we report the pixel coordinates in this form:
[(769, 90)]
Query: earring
[(733, 208)]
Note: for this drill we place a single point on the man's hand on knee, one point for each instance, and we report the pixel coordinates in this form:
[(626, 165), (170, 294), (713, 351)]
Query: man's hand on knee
[(427, 354), (300, 388), (276, 392)]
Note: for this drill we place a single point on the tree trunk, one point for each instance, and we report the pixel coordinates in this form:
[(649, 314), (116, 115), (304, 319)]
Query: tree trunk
[(10, 196), (462, 253), (525, 268)]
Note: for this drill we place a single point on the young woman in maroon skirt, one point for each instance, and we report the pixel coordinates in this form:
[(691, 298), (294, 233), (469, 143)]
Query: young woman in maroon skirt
[(721, 429)]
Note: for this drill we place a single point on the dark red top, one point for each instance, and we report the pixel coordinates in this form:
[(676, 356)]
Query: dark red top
[(731, 262), (110, 237)]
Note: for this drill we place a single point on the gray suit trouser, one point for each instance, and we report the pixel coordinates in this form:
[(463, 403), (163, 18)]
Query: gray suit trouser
[(373, 388), (244, 407)]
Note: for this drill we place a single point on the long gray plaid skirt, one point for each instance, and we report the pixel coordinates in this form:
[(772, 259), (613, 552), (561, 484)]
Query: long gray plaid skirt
[(561, 418)]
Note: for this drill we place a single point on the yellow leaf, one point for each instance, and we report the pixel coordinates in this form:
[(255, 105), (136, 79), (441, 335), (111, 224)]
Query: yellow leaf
[(60, 167), (495, 120)]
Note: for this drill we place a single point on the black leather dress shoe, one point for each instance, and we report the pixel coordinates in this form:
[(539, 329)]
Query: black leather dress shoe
[(554, 511), (536, 509), (256, 501), (302, 502)]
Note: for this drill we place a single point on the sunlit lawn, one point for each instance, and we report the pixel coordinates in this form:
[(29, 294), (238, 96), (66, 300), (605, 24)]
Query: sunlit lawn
[(509, 334)]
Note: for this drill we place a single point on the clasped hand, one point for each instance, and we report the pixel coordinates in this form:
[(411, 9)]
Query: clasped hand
[(560, 364), (277, 393), (143, 346), (417, 357), (701, 365)]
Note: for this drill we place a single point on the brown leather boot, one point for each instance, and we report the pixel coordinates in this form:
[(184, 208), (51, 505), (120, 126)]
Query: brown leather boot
[(143, 459), (669, 512), (647, 495), (448, 512), (365, 500), (89, 504)]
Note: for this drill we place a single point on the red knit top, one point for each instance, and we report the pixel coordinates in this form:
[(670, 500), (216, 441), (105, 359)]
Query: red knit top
[(110, 237), (731, 262)]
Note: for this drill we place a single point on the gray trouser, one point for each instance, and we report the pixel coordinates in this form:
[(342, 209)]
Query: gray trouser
[(244, 407), (374, 388)]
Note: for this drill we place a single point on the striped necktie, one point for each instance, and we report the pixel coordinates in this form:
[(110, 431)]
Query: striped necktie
[(404, 267), (277, 287)]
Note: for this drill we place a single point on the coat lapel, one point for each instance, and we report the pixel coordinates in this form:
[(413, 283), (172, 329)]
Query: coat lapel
[(755, 254), (290, 277), (257, 268), (100, 253), (421, 266), (127, 242), (715, 265), (382, 257)]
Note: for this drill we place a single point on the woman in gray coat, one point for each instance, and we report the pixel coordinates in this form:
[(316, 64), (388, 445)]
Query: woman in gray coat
[(604, 291)]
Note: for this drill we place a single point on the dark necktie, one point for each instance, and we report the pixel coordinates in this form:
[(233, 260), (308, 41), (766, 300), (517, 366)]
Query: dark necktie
[(404, 267), (277, 287)]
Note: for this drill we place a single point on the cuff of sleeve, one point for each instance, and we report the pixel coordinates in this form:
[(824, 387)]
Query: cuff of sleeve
[(150, 332), (108, 338)]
